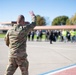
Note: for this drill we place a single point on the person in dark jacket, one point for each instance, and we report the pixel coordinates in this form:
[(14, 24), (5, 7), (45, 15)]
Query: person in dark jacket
[(52, 37)]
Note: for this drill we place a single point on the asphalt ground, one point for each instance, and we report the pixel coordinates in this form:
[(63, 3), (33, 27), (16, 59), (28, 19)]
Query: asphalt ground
[(42, 56)]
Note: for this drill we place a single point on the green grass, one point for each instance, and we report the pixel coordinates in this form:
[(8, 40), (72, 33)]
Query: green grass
[(2, 35), (43, 37)]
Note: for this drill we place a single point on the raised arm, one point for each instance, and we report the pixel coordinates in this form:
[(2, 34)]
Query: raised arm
[(32, 16), (32, 13), (33, 23)]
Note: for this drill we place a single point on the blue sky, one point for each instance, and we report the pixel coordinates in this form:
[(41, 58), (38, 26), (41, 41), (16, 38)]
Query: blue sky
[(10, 9)]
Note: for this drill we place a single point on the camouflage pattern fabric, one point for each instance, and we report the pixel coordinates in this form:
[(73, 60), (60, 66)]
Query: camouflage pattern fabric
[(14, 63), (16, 40)]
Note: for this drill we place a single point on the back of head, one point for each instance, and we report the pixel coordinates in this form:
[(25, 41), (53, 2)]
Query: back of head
[(20, 18)]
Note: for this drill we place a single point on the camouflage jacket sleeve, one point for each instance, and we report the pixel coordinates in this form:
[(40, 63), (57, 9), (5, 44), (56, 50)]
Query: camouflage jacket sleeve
[(7, 38), (30, 27)]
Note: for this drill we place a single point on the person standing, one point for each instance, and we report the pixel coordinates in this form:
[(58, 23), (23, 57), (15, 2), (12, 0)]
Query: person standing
[(51, 37), (64, 33), (72, 33), (16, 40)]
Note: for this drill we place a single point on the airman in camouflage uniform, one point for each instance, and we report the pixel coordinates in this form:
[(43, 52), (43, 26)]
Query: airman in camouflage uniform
[(16, 40)]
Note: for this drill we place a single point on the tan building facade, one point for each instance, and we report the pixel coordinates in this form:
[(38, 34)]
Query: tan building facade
[(9, 25)]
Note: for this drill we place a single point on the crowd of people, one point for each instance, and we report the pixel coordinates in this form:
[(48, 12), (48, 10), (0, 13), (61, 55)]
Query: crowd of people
[(52, 35)]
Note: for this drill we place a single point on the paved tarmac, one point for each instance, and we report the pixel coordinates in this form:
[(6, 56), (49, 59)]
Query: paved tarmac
[(42, 56)]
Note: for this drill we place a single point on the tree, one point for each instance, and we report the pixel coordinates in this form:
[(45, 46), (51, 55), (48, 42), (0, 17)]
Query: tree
[(60, 20), (68, 22), (40, 21), (71, 21)]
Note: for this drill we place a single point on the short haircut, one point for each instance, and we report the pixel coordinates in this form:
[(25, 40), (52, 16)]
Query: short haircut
[(20, 18)]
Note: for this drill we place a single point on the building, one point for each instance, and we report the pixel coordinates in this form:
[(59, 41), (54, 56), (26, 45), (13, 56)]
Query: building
[(4, 26), (8, 25)]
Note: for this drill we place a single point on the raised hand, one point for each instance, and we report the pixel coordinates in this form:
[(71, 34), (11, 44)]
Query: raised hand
[(32, 13)]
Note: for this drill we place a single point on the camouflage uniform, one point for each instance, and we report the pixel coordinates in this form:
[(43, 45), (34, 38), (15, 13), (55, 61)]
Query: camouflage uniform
[(16, 40)]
